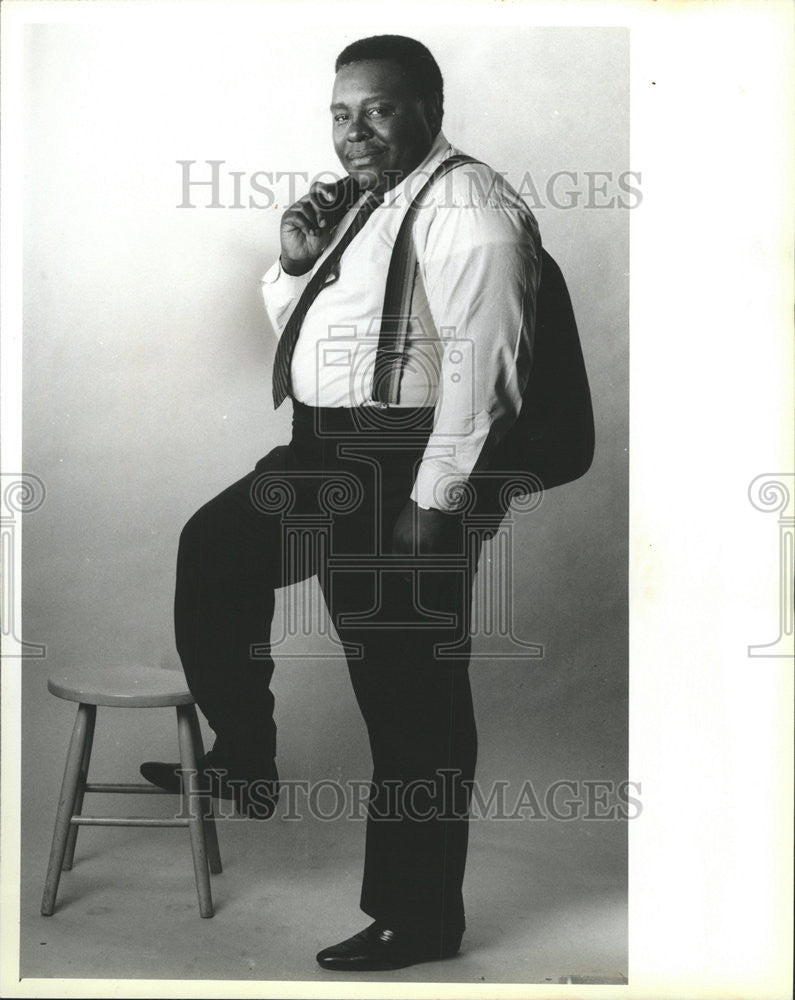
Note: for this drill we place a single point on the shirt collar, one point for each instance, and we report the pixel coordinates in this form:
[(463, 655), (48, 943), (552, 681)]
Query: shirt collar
[(440, 150)]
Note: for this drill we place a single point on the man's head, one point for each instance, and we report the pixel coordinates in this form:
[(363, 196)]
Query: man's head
[(386, 108)]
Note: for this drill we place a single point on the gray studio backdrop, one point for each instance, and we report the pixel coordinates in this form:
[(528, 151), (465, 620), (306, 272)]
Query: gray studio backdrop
[(147, 363)]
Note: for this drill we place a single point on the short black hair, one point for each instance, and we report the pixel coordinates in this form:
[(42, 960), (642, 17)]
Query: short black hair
[(410, 55)]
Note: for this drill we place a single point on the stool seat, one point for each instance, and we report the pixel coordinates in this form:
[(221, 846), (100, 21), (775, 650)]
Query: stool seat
[(123, 686)]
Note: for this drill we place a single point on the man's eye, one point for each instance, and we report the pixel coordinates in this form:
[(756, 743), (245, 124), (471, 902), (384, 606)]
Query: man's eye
[(377, 112), (338, 119)]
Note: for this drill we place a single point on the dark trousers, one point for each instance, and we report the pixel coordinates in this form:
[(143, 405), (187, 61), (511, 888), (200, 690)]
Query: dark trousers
[(326, 504)]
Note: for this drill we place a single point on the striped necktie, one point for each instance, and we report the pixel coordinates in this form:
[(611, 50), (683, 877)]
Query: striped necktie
[(282, 386)]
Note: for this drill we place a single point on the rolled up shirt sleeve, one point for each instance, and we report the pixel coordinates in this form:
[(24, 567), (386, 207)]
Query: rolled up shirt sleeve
[(281, 291), (480, 266)]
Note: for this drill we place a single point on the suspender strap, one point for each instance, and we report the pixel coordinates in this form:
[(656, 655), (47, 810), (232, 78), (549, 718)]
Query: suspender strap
[(396, 313)]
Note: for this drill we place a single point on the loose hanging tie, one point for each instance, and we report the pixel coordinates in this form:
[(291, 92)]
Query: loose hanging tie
[(282, 386)]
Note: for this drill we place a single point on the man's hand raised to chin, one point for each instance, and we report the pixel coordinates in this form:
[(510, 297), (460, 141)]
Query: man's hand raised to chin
[(307, 226), (426, 532)]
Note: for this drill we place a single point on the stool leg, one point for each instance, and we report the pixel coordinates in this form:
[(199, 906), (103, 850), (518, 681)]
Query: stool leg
[(66, 804), (69, 857), (210, 833), (193, 806)]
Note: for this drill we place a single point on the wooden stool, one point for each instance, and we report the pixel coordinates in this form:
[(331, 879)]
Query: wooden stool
[(129, 687)]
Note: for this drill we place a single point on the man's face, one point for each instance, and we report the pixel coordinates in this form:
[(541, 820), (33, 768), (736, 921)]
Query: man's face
[(381, 130)]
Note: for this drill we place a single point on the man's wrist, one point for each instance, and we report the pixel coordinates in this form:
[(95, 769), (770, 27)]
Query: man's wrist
[(295, 268)]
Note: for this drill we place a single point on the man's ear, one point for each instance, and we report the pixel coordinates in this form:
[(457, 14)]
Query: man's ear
[(433, 113)]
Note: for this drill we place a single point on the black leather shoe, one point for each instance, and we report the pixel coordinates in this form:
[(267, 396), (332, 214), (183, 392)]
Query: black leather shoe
[(254, 798), (378, 948)]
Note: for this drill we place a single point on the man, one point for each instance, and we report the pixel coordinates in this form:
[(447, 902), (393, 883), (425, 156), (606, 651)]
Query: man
[(394, 570)]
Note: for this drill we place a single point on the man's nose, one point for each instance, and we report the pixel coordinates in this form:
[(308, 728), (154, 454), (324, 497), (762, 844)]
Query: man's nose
[(358, 129)]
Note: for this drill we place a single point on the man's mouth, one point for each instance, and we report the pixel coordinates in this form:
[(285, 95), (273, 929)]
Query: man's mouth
[(364, 157)]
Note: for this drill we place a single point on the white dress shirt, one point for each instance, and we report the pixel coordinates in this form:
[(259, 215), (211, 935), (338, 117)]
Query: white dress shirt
[(470, 340)]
